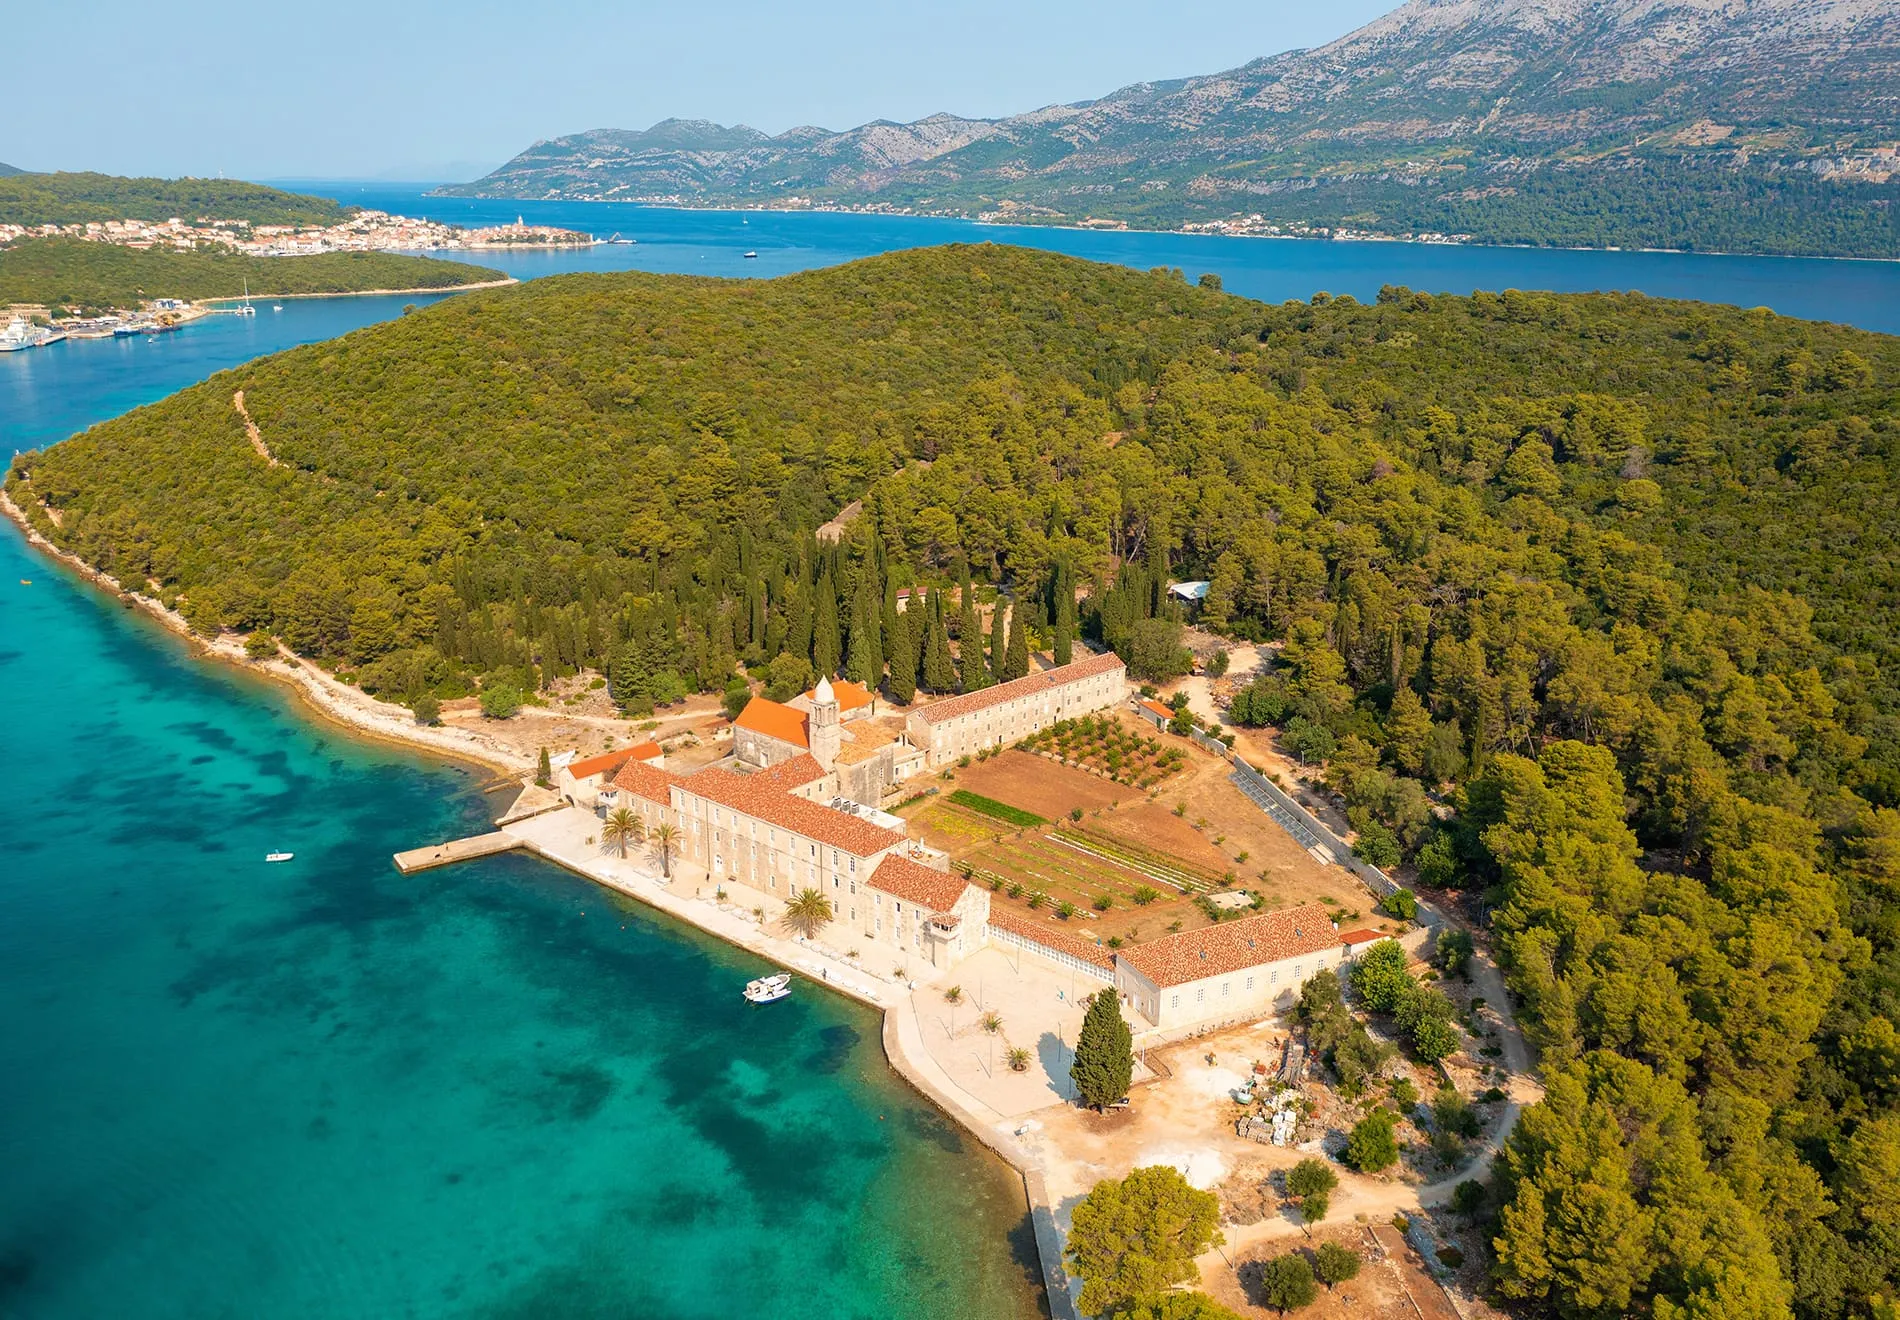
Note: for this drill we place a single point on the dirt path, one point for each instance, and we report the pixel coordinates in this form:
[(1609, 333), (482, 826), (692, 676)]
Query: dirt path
[(250, 429), (1379, 1198)]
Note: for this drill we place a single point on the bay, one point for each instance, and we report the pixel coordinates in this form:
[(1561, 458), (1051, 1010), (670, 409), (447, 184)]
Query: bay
[(322, 1089)]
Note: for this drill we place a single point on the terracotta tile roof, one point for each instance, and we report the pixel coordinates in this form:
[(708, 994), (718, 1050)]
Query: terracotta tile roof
[(902, 878), (759, 797), (774, 721), (1362, 936), (939, 711), (795, 773), (1059, 940), (647, 781), (1234, 945), (848, 695), (608, 762), (1165, 712)]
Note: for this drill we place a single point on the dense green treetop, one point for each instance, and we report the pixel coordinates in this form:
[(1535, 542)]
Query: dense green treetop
[(1613, 581), (69, 199), (74, 272)]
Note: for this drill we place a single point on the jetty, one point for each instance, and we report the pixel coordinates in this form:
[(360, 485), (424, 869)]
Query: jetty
[(456, 850)]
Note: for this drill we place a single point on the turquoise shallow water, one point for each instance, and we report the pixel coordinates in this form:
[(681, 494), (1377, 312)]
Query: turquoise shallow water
[(324, 1090)]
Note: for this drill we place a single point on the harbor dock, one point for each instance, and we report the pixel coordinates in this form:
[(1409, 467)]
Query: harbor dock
[(456, 850)]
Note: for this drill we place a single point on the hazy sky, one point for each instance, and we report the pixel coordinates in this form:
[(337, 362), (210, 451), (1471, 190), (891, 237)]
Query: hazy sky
[(426, 89)]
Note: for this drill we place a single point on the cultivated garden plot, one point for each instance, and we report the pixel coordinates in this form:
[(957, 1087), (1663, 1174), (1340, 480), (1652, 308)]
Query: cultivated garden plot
[(1060, 844)]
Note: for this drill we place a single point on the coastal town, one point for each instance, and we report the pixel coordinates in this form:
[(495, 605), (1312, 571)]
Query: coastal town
[(366, 231)]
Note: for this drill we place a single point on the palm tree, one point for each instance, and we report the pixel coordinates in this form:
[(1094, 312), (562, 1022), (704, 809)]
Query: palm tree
[(623, 827), (1018, 1059), (808, 913), (665, 839), (991, 1022)]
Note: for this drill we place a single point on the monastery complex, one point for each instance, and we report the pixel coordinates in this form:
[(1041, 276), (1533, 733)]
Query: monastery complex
[(796, 806)]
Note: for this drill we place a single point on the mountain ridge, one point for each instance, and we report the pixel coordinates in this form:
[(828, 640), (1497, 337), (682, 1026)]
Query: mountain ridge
[(1640, 123)]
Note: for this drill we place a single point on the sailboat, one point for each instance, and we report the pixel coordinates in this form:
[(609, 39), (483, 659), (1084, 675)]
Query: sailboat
[(246, 309)]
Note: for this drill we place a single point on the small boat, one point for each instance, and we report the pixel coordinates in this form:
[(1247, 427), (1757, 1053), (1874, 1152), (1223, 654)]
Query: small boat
[(768, 988), (751, 256), (278, 856), (277, 307)]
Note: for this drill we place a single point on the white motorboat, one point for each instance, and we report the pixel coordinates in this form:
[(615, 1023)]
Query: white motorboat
[(768, 988), (278, 856), (751, 256)]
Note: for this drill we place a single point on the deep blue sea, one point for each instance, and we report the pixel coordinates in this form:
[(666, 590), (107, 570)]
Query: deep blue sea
[(325, 1090)]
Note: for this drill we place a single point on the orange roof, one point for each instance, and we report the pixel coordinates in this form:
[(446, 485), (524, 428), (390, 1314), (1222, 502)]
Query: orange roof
[(795, 773), (849, 695), (1234, 945), (647, 781), (1059, 940), (774, 721), (1165, 712), (607, 762), (939, 711), (1363, 936), (902, 878), (758, 796)]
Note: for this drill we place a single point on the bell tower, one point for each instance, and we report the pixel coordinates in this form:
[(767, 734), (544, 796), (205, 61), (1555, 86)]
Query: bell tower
[(823, 726)]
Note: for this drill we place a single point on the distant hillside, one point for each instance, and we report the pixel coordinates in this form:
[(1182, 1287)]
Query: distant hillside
[(1761, 125), (72, 272), (6, 169), (66, 199)]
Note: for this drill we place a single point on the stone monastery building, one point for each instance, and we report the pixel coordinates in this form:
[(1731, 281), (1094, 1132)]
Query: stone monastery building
[(791, 810)]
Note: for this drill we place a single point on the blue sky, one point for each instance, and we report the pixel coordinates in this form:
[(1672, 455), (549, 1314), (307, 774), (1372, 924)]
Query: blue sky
[(429, 89)]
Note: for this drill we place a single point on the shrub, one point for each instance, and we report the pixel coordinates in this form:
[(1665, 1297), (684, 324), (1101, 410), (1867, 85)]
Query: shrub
[(1144, 895), (1103, 902), (1065, 909), (1468, 1198), (1400, 903), (1373, 1144), (1015, 890), (500, 700)]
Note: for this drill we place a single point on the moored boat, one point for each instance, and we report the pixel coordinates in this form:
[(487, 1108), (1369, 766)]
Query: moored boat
[(279, 856), (768, 988)]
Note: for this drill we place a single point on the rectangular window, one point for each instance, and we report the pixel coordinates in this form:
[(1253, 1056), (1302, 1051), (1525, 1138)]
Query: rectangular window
[(1250, 983), (1200, 995), (1174, 1001), (1223, 989), (1275, 978)]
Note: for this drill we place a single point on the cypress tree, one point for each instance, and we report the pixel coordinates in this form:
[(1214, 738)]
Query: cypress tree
[(939, 674), (972, 672), (543, 772), (826, 646), (998, 641), (1016, 658), (862, 666), (1104, 1053), (903, 684), (1065, 615)]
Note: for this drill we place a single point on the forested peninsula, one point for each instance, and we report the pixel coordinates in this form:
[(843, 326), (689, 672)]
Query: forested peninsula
[(80, 198), (83, 275), (1590, 603)]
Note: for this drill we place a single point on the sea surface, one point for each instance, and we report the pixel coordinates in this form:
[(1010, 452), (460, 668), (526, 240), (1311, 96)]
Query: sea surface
[(321, 1089), (1862, 293)]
